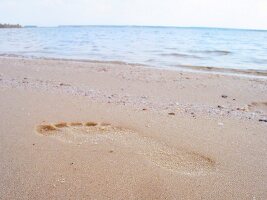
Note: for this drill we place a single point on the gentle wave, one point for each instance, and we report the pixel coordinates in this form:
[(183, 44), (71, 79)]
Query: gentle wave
[(215, 52), (250, 72), (260, 61), (262, 73), (180, 55)]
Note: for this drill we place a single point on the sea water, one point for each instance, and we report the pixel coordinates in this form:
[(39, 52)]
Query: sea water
[(153, 46)]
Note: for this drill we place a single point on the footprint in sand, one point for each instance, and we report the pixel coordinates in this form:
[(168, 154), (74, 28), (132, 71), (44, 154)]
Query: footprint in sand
[(162, 155)]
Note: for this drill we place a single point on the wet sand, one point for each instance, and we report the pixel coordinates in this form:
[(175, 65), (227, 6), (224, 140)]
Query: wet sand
[(92, 130)]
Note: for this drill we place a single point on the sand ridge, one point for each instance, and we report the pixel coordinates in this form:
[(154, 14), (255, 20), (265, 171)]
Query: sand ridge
[(159, 153)]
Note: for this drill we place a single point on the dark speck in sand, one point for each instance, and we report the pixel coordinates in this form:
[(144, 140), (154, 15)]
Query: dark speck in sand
[(224, 96), (262, 120), (64, 84), (144, 109), (219, 106), (233, 99), (171, 113)]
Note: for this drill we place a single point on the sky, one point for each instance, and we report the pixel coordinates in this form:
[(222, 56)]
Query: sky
[(248, 14)]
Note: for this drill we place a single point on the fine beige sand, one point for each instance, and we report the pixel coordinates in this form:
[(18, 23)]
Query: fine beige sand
[(99, 130)]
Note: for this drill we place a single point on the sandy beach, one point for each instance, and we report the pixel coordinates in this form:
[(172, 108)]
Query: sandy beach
[(98, 130)]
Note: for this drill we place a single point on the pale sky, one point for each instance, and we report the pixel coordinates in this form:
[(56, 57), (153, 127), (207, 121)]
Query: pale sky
[(201, 13)]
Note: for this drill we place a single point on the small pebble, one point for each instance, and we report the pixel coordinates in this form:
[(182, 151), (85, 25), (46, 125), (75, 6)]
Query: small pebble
[(62, 180), (171, 113)]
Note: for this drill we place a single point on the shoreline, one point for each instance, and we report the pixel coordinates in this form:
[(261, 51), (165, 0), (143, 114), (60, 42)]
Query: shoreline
[(205, 108), (189, 68), (104, 130)]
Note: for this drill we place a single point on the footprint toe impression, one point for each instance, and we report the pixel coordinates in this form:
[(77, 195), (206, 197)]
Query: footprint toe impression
[(159, 153), (46, 129)]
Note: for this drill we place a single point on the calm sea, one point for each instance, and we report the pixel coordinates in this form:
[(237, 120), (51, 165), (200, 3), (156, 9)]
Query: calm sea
[(154, 46)]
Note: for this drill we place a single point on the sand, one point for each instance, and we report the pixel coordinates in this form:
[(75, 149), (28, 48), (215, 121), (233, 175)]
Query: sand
[(93, 130)]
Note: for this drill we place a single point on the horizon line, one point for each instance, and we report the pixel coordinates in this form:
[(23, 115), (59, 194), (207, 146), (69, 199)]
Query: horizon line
[(152, 26)]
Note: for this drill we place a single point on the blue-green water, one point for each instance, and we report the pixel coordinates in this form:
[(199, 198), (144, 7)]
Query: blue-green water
[(154, 46)]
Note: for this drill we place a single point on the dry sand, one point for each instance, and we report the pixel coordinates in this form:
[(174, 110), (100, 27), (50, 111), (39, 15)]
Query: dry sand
[(92, 130)]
